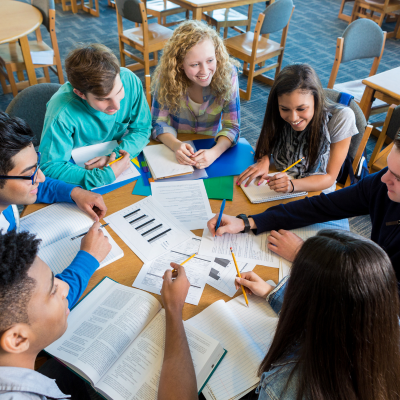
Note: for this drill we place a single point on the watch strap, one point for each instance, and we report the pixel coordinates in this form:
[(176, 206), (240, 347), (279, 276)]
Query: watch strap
[(246, 223)]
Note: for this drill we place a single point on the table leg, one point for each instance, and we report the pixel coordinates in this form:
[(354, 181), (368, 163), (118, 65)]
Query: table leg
[(366, 101), (26, 53), (197, 13)]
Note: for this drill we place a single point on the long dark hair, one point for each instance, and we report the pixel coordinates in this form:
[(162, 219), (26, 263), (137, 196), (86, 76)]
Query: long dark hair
[(340, 314), (291, 78)]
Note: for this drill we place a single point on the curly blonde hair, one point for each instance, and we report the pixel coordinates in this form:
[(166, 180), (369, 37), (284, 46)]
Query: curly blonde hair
[(170, 80)]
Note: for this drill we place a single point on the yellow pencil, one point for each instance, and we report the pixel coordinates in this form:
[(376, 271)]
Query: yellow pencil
[(238, 272), (112, 162), (293, 164), (174, 270)]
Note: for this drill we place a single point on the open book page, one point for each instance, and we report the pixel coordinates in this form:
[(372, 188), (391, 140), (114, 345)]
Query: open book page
[(56, 222), (309, 231), (148, 228), (59, 255), (162, 162), (238, 370), (187, 201), (136, 374), (197, 270), (102, 326), (247, 247)]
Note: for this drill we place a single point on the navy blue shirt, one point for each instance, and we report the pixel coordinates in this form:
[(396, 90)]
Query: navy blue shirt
[(77, 275), (369, 196)]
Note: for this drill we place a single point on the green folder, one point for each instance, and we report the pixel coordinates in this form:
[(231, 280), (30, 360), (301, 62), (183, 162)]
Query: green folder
[(219, 188)]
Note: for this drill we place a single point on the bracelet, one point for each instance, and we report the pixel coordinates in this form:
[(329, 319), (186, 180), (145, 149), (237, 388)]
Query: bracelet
[(292, 186)]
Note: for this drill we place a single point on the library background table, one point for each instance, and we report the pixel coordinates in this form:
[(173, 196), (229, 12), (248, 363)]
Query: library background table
[(126, 269)]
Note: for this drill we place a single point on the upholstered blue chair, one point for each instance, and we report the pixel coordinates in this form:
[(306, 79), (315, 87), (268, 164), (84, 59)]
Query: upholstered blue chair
[(12, 55), (256, 48), (362, 39)]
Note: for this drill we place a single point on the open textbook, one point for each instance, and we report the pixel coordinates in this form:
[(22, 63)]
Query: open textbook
[(115, 340), (56, 225), (246, 333)]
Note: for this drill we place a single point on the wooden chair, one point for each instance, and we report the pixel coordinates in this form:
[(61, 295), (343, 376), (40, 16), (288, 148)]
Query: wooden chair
[(146, 38), (367, 9), (229, 18), (390, 128), (256, 48), (13, 60), (361, 39), (91, 6), (341, 15), (359, 141)]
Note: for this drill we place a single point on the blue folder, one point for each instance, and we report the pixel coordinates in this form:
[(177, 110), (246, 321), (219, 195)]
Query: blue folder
[(141, 189), (232, 162)]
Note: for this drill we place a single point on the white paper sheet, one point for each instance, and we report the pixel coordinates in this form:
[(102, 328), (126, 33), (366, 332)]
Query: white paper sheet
[(187, 201), (197, 270), (148, 229), (247, 248), (86, 153), (42, 57)]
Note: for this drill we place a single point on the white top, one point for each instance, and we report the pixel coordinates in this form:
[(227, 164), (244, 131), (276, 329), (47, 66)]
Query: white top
[(4, 224), (195, 107)]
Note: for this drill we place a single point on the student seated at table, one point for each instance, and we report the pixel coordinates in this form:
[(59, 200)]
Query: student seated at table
[(377, 195), (101, 102), (338, 333), (22, 182), (196, 90), (34, 312), (300, 121)]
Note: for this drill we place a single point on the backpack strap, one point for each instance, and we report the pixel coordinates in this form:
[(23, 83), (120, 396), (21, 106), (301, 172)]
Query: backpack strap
[(345, 98)]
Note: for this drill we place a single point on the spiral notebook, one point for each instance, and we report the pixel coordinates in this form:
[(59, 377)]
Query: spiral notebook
[(262, 193)]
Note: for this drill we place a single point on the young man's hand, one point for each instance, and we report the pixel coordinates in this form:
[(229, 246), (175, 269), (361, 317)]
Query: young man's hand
[(174, 292), (285, 243), (121, 165), (253, 284), (95, 243), (89, 202)]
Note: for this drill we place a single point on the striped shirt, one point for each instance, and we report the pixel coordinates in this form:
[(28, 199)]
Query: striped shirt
[(214, 119)]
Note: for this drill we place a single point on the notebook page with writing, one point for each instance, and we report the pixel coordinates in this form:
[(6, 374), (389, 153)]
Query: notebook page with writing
[(163, 163), (56, 222), (263, 194), (60, 254), (238, 370)]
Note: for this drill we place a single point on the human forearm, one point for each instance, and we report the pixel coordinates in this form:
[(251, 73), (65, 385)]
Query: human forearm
[(169, 140), (134, 142), (313, 183), (177, 380)]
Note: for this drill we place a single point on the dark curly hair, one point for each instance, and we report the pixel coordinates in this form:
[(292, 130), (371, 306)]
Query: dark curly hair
[(17, 253), (15, 135)]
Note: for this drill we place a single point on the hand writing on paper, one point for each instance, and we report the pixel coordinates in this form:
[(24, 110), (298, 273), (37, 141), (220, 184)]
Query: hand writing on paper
[(97, 162), (253, 284), (228, 224), (183, 152), (285, 243), (280, 182), (89, 202), (95, 243), (121, 165), (258, 170), (174, 292)]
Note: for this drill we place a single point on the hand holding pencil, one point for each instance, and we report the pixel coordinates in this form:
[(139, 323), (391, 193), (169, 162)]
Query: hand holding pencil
[(253, 284), (280, 182)]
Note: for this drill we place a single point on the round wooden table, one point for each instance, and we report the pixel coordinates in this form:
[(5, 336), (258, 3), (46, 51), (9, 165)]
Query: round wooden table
[(17, 21), (126, 269)]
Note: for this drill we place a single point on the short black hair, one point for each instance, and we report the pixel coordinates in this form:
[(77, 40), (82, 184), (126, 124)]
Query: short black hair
[(396, 140), (17, 254), (15, 135)]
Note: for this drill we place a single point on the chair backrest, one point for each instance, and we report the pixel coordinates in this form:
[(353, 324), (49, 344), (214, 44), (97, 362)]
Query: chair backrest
[(363, 38), (30, 105), (277, 16), (44, 6), (129, 9), (361, 122), (394, 123)]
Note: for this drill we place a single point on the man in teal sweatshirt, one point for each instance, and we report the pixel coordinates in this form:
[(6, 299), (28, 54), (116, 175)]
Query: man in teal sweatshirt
[(100, 102)]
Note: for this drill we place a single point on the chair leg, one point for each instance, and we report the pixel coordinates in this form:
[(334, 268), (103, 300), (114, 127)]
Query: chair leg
[(20, 75), (250, 78), (121, 53), (11, 80), (397, 28), (225, 32), (147, 76), (46, 74)]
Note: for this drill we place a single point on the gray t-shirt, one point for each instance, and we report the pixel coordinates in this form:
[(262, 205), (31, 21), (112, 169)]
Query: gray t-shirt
[(342, 124)]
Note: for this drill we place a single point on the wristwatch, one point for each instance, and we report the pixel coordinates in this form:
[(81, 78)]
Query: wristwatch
[(246, 223)]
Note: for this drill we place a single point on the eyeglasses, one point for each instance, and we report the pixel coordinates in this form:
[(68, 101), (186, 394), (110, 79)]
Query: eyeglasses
[(32, 178)]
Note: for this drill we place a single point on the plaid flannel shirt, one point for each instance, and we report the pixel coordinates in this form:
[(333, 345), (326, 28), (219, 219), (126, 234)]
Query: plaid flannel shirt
[(214, 119)]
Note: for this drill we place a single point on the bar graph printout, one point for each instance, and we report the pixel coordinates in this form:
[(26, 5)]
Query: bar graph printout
[(148, 229)]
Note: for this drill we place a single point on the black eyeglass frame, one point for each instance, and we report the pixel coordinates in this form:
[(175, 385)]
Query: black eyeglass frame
[(33, 178)]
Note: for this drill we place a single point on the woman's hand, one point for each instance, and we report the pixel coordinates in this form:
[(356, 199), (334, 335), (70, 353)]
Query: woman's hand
[(253, 284), (285, 243), (183, 153), (280, 183), (204, 158), (258, 170)]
